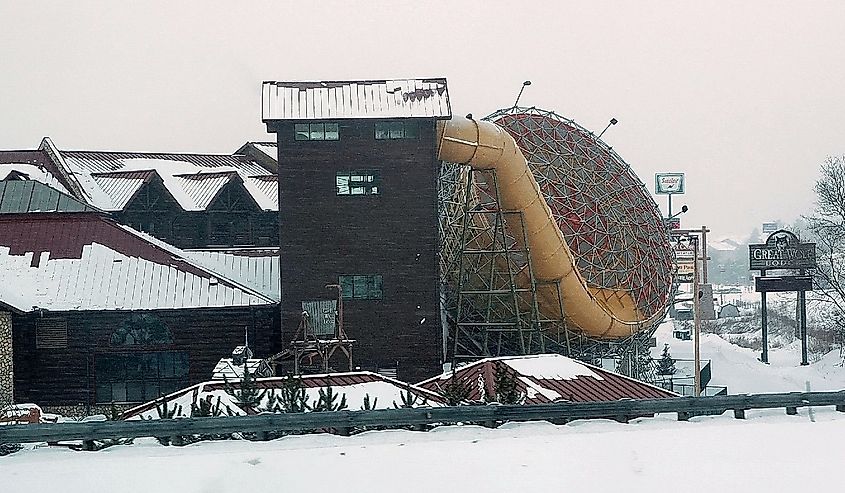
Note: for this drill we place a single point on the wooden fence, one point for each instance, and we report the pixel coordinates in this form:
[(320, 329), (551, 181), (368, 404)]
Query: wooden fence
[(343, 422)]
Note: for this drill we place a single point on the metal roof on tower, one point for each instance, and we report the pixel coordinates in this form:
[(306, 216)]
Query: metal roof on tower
[(399, 98)]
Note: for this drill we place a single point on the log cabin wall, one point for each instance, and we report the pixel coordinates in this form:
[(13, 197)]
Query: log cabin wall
[(57, 355), (393, 234)]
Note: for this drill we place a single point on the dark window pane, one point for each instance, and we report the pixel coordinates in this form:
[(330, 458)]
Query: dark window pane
[(359, 287), (118, 392), (134, 391), (151, 390), (412, 130), (346, 286), (382, 131), (181, 366), (375, 288), (332, 131), (134, 366), (317, 131), (395, 130), (104, 392), (301, 131), (342, 184), (165, 366), (150, 365)]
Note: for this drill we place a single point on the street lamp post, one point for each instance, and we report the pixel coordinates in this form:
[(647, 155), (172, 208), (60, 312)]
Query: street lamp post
[(526, 83)]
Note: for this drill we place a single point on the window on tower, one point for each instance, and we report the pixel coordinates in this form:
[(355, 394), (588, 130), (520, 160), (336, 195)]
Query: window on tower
[(316, 131), (397, 130), (358, 182), (361, 287)]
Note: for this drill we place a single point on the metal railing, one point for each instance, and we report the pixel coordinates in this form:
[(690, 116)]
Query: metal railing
[(343, 422)]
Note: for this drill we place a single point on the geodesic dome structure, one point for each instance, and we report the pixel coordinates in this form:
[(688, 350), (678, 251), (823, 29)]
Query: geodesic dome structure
[(611, 223), (612, 228)]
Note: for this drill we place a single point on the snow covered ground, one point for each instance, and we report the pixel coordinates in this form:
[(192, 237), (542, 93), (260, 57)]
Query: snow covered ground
[(769, 451), (743, 373)]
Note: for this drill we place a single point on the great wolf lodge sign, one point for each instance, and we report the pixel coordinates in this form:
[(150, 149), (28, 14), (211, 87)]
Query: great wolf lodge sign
[(782, 250)]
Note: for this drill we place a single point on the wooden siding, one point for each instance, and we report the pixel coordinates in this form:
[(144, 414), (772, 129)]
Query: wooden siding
[(53, 377), (393, 234)]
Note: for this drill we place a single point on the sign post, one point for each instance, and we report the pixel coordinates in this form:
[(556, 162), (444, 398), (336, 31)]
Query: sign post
[(783, 250), (669, 184), (684, 256)]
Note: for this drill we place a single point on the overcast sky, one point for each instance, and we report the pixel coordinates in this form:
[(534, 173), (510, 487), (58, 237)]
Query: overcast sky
[(746, 98)]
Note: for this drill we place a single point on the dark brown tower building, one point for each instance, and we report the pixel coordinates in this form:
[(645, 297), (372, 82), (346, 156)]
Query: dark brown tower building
[(358, 207)]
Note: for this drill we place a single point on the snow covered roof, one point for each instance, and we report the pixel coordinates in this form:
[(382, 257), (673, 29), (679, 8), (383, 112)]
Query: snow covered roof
[(24, 171), (545, 378), (399, 98), (88, 262), (110, 180), (227, 371), (381, 391), (256, 268)]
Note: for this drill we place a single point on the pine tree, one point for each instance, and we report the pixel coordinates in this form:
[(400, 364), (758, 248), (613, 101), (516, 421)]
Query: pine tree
[(203, 408), (666, 365), (369, 405), (409, 399), (248, 396), (327, 401), (293, 398)]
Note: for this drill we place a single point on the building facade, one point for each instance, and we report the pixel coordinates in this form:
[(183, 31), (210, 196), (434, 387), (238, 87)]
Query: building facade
[(94, 313), (358, 208)]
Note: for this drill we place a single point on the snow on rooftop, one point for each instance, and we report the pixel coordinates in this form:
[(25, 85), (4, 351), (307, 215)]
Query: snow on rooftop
[(550, 367), (110, 182), (260, 273), (31, 172)]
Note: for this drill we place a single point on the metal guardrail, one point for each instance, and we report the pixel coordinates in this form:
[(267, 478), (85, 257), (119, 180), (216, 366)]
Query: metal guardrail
[(344, 421)]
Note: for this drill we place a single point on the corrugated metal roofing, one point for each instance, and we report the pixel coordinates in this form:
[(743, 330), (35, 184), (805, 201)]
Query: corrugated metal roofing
[(202, 188), (265, 190), (548, 378), (25, 196), (88, 262), (121, 187), (105, 161), (269, 148), (111, 179), (334, 100), (258, 270)]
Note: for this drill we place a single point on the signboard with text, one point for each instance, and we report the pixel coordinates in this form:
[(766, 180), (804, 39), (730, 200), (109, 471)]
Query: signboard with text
[(668, 183), (685, 263), (672, 222), (770, 284), (782, 250)]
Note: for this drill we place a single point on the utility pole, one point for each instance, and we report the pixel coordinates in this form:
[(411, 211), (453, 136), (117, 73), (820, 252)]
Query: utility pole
[(696, 303)]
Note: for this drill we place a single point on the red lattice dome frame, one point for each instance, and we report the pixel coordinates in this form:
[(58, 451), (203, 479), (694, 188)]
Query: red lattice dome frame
[(611, 223)]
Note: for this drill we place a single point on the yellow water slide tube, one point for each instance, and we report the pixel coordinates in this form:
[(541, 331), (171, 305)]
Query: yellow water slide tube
[(598, 312)]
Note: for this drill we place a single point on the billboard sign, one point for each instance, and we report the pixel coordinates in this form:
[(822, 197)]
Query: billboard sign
[(770, 284), (782, 250), (672, 222), (686, 272), (668, 183), (769, 228)]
